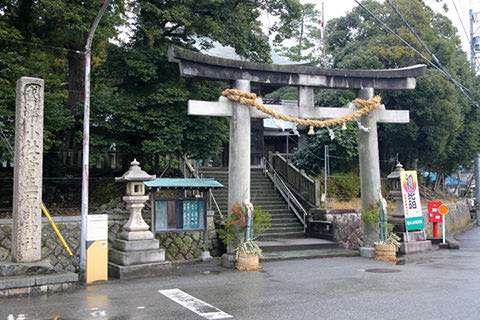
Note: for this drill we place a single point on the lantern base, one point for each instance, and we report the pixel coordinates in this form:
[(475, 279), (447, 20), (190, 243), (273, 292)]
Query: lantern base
[(135, 235)]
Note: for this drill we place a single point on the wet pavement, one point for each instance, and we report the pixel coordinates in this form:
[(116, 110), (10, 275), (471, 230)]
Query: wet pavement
[(444, 284)]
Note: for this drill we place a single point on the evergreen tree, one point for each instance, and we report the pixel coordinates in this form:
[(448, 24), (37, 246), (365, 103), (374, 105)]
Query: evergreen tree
[(443, 130), (307, 37), (148, 113)]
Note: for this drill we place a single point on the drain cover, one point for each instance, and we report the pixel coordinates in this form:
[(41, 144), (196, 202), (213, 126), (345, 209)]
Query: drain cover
[(382, 270)]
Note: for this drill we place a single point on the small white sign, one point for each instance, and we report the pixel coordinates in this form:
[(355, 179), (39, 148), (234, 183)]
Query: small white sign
[(97, 227)]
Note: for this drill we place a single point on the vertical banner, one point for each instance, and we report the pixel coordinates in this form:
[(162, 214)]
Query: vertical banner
[(412, 207)]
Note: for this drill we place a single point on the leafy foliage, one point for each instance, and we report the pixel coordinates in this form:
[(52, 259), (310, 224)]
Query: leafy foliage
[(344, 147), (307, 36), (147, 116), (443, 131), (343, 186), (235, 224)]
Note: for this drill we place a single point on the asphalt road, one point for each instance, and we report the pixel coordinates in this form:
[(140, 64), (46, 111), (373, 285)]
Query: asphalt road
[(443, 285)]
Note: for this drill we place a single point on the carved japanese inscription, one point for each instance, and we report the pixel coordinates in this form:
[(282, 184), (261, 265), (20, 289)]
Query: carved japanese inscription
[(27, 185)]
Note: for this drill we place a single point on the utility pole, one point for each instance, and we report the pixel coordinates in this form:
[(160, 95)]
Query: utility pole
[(323, 32), (86, 137), (473, 61)]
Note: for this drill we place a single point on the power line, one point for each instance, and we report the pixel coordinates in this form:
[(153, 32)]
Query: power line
[(461, 21), (459, 85), (384, 25), (36, 44)]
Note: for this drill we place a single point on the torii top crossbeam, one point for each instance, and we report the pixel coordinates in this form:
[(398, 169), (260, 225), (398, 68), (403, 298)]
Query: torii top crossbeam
[(195, 64)]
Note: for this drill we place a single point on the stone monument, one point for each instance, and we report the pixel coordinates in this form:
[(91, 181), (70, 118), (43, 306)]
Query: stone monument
[(27, 181), (28, 274), (136, 253)]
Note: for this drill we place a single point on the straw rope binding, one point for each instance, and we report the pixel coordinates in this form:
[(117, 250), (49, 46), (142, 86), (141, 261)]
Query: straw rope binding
[(249, 99)]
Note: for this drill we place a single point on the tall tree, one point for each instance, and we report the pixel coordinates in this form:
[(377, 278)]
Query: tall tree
[(307, 37), (46, 26), (147, 114), (444, 128)]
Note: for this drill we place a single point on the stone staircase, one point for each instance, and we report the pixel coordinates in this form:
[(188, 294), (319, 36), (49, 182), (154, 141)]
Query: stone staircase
[(285, 224), (285, 240)]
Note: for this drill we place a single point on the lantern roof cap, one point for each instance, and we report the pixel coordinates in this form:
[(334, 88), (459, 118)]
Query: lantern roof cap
[(395, 174), (135, 173)]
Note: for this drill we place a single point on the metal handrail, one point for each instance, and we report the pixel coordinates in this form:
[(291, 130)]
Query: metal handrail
[(305, 187), (212, 198), (286, 193)]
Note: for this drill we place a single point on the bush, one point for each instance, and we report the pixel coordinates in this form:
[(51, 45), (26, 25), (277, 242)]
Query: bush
[(343, 186), (235, 224)]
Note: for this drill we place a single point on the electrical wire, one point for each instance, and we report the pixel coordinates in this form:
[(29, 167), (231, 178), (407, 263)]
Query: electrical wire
[(41, 45), (384, 25), (461, 22), (439, 64)]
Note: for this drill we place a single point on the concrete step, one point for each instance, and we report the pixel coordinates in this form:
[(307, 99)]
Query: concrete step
[(268, 201), (273, 214), (275, 219), (308, 254), (296, 244), (255, 197), (280, 229), (290, 224), (282, 214), (282, 235), (270, 207)]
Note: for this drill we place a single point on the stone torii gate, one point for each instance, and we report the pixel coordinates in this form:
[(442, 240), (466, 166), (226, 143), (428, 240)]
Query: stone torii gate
[(249, 77)]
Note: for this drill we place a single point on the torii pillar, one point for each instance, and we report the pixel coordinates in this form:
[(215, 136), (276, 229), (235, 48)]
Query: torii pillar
[(369, 163), (239, 156), (245, 75)]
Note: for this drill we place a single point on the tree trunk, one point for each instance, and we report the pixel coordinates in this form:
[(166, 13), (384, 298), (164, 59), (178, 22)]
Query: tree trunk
[(457, 187), (76, 74), (300, 39)]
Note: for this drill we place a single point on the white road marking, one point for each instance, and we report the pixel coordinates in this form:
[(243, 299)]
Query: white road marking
[(201, 308), (100, 313)]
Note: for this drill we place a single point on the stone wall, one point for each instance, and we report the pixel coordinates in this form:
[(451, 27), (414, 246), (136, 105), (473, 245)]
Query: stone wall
[(178, 246), (181, 246), (346, 227), (52, 248)]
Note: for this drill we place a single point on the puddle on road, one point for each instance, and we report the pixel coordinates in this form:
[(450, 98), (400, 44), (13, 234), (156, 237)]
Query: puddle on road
[(206, 273), (382, 270)]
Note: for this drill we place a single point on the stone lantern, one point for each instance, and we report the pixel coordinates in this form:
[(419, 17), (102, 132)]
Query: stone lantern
[(395, 195), (135, 228), (135, 252)]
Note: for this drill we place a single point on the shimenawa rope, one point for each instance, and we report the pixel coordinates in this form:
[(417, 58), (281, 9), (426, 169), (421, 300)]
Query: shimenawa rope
[(249, 99)]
